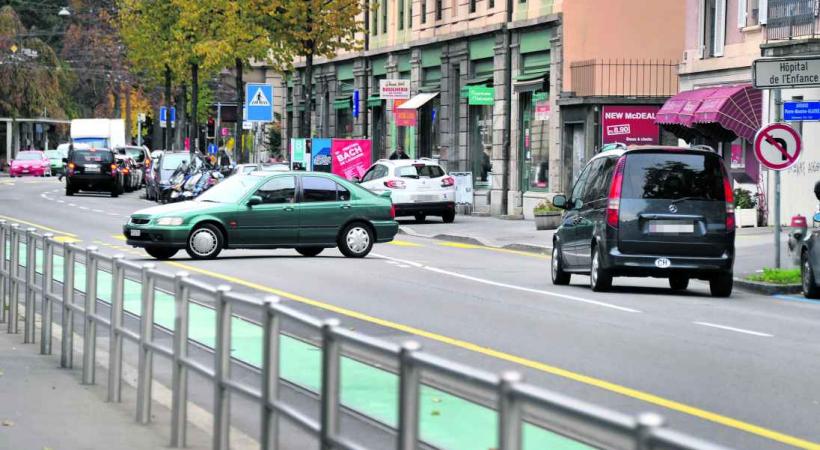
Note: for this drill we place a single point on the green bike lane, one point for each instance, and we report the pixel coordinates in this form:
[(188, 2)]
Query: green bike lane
[(446, 421)]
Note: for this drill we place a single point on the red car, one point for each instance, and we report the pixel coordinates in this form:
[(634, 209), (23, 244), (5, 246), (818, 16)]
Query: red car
[(32, 162)]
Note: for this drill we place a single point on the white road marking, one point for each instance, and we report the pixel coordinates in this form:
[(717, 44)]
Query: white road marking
[(97, 210), (113, 214), (60, 201), (72, 204), (738, 330), (509, 286), (84, 207)]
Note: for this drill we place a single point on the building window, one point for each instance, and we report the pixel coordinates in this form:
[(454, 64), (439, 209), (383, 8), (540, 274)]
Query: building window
[(490, 4), (423, 11), (384, 16), (401, 14), (439, 8), (714, 28), (375, 24), (410, 15), (472, 6)]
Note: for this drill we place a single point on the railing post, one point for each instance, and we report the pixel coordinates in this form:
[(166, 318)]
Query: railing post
[(46, 304), (222, 370), (509, 412), (67, 316), (14, 268), (647, 422), (89, 311), (179, 374), (409, 381), (146, 356), (115, 332), (31, 276), (270, 374), (3, 269), (330, 385)]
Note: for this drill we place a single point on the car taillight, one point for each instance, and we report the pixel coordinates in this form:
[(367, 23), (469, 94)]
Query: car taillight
[(395, 184), (613, 205), (113, 169), (125, 171), (448, 181), (392, 211), (730, 199), (71, 166)]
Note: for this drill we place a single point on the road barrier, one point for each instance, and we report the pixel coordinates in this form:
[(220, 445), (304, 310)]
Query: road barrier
[(516, 403)]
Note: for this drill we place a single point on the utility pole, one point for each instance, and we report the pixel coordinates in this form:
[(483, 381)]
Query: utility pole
[(166, 132), (366, 87), (778, 101)]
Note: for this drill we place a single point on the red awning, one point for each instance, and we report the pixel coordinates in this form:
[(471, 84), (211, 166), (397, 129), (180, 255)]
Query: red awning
[(735, 108), (680, 109)]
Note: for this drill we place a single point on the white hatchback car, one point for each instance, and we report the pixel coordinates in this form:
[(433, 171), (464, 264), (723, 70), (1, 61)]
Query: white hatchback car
[(419, 187)]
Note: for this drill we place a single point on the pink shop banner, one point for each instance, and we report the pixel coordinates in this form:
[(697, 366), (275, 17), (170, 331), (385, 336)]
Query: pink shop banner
[(351, 157)]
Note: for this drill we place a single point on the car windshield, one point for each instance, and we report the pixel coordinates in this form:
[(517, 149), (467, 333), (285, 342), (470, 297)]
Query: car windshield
[(92, 156), (172, 160), (419, 170), (670, 176), (93, 142), (229, 191), (29, 156), (54, 154), (136, 153)]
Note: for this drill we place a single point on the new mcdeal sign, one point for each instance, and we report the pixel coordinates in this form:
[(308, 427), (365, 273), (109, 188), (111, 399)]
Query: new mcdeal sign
[(630, 124)]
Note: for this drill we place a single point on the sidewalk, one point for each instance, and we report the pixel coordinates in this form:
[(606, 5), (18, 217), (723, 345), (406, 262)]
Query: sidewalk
[(45, 407)]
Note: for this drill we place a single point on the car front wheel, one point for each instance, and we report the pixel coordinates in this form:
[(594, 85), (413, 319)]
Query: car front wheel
[(810, 288), (356, 240), (205, 242), (600, 280), (559, 276)]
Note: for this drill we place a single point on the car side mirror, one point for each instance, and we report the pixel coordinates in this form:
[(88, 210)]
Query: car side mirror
[(254, 200), (817, 190), (560, 201), (816, 220)]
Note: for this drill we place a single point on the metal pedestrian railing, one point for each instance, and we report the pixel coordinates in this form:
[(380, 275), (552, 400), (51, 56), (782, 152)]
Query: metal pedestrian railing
[(516, 403)]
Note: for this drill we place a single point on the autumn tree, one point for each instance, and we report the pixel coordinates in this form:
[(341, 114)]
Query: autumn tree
[(318, 28)]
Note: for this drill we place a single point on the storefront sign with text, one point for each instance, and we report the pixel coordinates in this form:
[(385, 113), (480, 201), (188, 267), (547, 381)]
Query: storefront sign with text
[(630, 124), (480, 96), (394, 89), (404, 117)]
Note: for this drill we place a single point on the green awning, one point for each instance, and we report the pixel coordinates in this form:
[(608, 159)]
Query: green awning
[(531, 76), (342, 103), (479, 81), (374, 101), (430, 87)]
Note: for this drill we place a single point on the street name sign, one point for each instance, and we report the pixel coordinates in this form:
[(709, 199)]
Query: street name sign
[(259, 102), (778, 73), (801, 111), (777, 146)]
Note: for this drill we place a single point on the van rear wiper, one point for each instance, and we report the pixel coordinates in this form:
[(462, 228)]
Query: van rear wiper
[(683, 199)]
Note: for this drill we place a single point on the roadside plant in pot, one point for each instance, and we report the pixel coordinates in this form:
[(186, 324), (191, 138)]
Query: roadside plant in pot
[(745, 211), (547, 215)]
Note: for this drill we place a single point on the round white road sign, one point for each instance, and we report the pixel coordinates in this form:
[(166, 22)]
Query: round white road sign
[(777, 146)]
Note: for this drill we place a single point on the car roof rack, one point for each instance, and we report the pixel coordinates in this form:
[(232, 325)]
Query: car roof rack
[(613, 146)]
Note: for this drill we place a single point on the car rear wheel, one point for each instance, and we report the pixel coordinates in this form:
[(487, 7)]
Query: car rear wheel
[(356, 240), (600, 280), (309, 251), (420, 217), (69, 191), (161, 253), (559, 276), (678, 283), (449, 217), (205, 242), (810, 288), (721, 285)]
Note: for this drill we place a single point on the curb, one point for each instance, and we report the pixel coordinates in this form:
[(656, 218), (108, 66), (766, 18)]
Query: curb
[(531, 248), (768, 288)]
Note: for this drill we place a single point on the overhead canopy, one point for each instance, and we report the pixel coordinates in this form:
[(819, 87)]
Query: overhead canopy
[(342, 103), (722, 113), (418, 101)]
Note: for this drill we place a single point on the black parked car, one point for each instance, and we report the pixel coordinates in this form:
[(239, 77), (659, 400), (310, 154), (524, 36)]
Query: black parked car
[(140, 155), (92, 170), (663, 212), (161, 170), (810, 256)]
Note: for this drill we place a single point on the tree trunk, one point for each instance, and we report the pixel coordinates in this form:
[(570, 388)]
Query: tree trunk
[(128, 124), (166, 132), (307, 95), (194, 107), (240, 106), (181, 129), (117, 91)]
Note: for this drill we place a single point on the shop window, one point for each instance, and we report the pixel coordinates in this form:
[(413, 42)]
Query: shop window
[(533, 141)]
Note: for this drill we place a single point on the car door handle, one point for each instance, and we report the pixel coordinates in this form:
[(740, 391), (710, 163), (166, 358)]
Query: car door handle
[(287, 209), (344, 206)]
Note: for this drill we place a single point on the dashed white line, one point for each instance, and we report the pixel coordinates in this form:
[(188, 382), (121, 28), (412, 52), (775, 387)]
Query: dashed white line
[(97, 210), (72, 205), (737, 330), (84, 207), (60, 201)]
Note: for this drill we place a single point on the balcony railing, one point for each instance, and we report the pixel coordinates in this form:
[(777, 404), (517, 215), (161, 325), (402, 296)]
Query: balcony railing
[(788, 19), (624, 78)]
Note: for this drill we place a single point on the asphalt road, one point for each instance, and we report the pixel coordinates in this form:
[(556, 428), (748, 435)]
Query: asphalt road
[(739, 371)]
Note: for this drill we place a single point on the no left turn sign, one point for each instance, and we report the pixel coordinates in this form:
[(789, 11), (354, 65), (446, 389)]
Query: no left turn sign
[(777, 146)]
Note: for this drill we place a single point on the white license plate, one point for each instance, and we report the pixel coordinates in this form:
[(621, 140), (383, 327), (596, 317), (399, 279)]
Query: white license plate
[(671, 227), (92, 168), (426, 198), (25, 170), (136, 233)]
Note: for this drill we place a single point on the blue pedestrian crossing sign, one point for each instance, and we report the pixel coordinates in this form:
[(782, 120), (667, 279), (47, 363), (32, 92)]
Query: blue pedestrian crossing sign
[(259, 102)]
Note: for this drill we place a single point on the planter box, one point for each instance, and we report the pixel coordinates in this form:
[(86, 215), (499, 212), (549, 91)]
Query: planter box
[(746, 217), (547, 221)]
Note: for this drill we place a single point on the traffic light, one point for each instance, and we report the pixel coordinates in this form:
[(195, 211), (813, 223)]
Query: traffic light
[(211, 128)]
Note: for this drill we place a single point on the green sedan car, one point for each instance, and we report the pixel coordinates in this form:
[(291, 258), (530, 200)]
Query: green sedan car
[(306, 211), (55, 161)]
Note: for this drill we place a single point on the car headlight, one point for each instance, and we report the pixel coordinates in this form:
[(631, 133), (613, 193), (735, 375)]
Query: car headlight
[(169, 221)]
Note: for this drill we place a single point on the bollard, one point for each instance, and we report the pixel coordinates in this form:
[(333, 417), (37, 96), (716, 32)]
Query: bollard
[(270, 374), (31, 276), (115, 332), (222, 370), (89, 310), (46, 303), (145, 369), (3, 269), (67, 317), (409, 380), (647, 423), (179, 374), (14, 270), (330, 385), (509, 412)]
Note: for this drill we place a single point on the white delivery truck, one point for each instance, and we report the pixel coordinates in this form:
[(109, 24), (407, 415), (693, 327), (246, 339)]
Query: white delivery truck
[(98, 133)]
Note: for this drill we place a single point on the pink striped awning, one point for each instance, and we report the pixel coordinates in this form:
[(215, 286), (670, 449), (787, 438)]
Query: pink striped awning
[(680, 108), (735, 108)]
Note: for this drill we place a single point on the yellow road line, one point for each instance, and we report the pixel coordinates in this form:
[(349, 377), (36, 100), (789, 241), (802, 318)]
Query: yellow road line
[(404, 244), (118, 237), (66, 239), (495, 249), (557, 371), (42, 227), (564, 373)]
